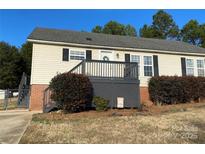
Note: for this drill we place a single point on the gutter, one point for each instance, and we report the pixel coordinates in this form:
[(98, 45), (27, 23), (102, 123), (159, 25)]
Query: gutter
[(115, 48)]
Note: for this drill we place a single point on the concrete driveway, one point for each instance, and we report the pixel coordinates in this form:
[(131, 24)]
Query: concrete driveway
[(13, 124)]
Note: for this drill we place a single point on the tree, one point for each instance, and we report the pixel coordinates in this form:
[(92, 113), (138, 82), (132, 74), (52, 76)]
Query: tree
[(10, 66), (191, 33), (202, 35), (97, 29), (115, 28), (130, 30), (13, 62), (194, 33), (163, 27), (26, 55), (147, 31), (164, 24)]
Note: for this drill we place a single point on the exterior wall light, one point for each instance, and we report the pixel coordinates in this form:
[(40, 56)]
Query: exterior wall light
[(117, 55)]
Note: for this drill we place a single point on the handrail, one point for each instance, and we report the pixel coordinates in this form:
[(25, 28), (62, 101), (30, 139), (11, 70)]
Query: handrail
[(44, 96), (76, 66), (116, 62), (107, 69), (22, 79), (48, 103), (22, 83)]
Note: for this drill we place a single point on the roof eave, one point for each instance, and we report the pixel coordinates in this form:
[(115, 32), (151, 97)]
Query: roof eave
[(114, 48)]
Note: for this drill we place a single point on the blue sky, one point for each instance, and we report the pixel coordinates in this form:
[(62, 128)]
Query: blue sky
[(16, 25)]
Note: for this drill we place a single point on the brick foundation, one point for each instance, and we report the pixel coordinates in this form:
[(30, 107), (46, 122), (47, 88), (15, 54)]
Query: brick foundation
[(37, 91), (144, 95), (36, 97)]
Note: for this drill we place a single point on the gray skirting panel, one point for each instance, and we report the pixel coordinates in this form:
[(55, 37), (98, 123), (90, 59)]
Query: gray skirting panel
[(112, 89)]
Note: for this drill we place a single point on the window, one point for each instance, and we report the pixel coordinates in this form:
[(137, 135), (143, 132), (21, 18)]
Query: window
[(200, 67), (147, 65), (190, 67), (136, 59), (77, 55), (65, 54)]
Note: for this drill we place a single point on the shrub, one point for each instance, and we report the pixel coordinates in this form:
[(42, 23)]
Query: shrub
[(72, 92), (100, 103), (174, 89)]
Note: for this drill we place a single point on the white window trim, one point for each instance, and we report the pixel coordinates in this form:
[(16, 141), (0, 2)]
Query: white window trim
[(147, 65), (106, 51), (191, 67), (139, 64), (202, 68), (78, 51)]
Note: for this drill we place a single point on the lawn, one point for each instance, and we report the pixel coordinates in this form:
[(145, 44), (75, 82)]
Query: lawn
[(172, 124)]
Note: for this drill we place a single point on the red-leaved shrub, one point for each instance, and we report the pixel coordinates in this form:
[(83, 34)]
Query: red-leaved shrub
[(174, 89), (72, 92)]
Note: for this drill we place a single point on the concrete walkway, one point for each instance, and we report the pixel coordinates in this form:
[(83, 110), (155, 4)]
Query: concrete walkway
[(13, 124)]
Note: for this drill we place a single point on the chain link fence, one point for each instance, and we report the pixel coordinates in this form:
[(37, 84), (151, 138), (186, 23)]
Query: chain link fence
[(9, 99)]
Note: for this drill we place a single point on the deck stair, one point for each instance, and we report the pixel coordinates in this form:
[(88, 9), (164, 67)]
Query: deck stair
[(97, 69), (23, 92)]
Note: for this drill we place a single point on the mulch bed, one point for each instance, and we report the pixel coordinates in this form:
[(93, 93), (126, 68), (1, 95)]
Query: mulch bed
[(55, 116), (151, 110)]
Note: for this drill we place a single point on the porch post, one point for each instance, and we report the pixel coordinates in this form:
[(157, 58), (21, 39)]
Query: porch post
[(83, 67)]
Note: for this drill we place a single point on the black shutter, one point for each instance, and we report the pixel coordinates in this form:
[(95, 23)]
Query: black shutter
[(183, 66), (156, 67), (127, 57), (65, 54), (88, 54), (127, 66)]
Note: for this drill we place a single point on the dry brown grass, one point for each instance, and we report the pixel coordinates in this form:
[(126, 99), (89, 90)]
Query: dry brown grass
[(125, 126), (12, 103)]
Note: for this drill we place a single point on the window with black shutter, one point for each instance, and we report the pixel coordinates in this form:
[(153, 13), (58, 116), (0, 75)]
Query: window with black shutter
[(127, 57), (127, 65), (183, 66), (88, 55), (65, 54), (156, 67)]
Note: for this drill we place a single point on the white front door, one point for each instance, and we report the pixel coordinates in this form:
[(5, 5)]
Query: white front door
[(107, 67), (106, 56)]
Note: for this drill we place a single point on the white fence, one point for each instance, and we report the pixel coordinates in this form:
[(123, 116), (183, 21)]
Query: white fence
[(2, 94)]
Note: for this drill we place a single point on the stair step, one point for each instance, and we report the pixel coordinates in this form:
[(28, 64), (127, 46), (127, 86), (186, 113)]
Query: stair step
[(49, 107)]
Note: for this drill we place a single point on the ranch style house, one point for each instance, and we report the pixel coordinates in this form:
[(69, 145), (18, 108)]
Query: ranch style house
[(119, 67)]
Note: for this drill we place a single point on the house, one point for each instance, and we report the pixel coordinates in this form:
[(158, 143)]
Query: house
[(109, 57), (2, 94)]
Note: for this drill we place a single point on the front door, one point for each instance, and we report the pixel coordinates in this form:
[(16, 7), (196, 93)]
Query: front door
[(106, 56), (107, 67)]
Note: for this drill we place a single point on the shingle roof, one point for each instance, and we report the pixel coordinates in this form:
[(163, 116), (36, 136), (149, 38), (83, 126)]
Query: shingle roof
[(68, 36)]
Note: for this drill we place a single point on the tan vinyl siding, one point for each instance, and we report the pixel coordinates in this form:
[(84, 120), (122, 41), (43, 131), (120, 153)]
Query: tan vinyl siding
[(169, 64), (47, 62)]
